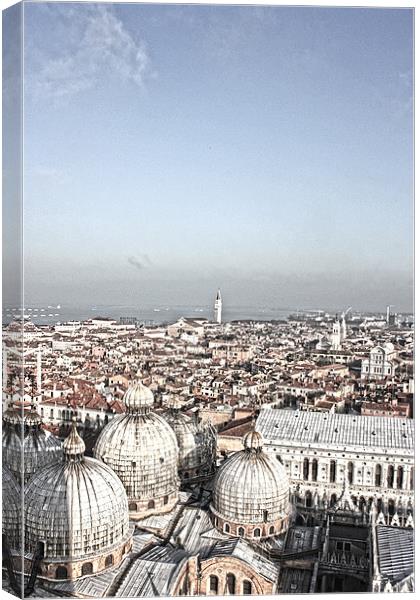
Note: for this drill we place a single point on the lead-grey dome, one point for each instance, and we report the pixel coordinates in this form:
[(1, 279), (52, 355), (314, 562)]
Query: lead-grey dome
[(251, 492), (196, 442), (142, 449), (11, 512), (78, 509), (40, 447)]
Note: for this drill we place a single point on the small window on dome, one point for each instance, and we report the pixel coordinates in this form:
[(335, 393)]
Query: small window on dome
[(214, 584), (231, 583), (246, 587), (109, 560), (241, 532), (227, 528), (165, 500), (87, 568), (257, 532), (61, 572)]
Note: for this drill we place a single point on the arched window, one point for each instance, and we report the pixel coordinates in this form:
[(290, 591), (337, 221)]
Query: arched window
[(333, 470), (391, 508), (246, 587), (308, 499), (333, 499), (132, 506), (109, 560), (87, 568), (61, 572), (230, 583), (241, 531), (41, 549), (412, 478), (271, 530), (390, 477), (314, 470), (265, 516), (378, 475), (151, 504), (362, 503), (306, 469), (350, 472), (257, 532), (400, 477), (227, 528), (214, 584)]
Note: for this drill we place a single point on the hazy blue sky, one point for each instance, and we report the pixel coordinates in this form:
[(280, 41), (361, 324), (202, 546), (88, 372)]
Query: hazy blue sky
[(172, 150)]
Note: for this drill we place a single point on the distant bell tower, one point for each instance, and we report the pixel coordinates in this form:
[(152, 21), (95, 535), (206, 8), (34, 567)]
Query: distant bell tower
[(343, 328), (218, 308)]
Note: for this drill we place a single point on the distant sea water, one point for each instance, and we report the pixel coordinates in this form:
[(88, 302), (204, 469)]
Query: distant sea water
[(150, 315)]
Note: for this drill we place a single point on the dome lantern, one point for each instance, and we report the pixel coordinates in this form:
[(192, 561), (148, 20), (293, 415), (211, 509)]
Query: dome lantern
[(138, 399), (253, 441), (73, 446)]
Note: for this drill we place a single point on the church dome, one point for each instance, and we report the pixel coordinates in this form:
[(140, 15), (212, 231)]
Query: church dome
[(141, 447), (196, 442), (11, 512), (77, 509), (40, 447), (251, 492)]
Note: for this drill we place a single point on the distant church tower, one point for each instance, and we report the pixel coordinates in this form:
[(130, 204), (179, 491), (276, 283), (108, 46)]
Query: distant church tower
[(218, 308), (343, 328), (336, 336)]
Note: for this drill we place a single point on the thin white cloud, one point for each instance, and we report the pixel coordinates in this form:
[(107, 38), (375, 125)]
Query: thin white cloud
[(96, 46), (49, 174)]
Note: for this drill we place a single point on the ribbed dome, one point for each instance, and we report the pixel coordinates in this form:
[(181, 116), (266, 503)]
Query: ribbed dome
[(40, 447), (141, 448), (251, 488), (11, 514), (77, 507), (196, 443)]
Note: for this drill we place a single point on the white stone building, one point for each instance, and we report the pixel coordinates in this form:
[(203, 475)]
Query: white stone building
[(380, 363), (319, 451)]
